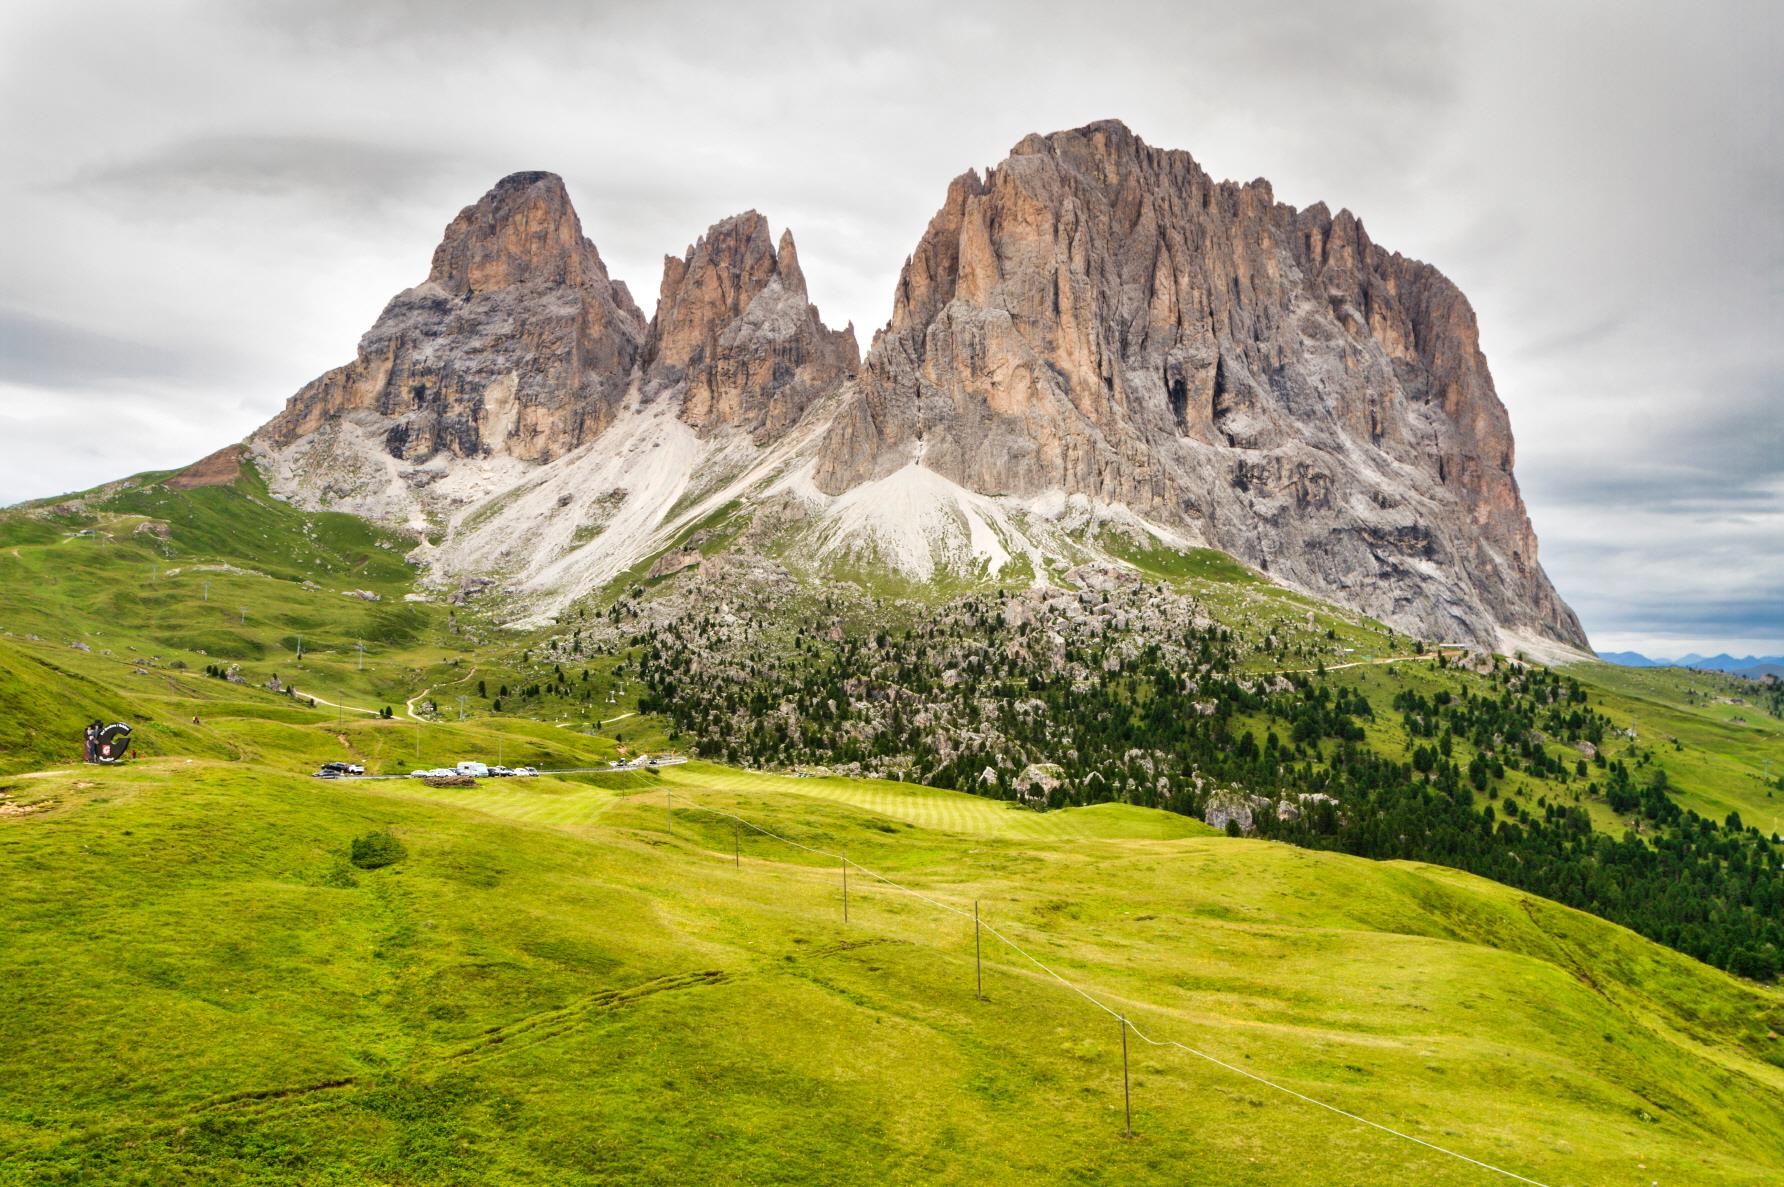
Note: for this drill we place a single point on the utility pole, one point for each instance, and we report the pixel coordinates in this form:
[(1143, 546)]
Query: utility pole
[(207, 591), (845, 889), (244, 616), (300, 649), (461, 708), (669, 809), (361, 646), (1127, 1100)]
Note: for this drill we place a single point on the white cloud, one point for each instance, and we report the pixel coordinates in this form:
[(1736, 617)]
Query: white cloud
[(218, 198)]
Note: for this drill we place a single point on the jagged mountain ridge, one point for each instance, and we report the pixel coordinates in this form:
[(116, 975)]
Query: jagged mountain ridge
[(1097, 315), (517, 342), (1094, 335)]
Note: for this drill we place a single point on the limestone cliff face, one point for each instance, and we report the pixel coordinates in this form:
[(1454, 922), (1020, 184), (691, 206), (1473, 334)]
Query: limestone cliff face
[(1097, 316), (735, 338), (517, 343), (1093, 317)]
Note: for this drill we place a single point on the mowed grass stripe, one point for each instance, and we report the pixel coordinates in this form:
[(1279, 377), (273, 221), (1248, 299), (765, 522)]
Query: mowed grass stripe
[(948, 811)]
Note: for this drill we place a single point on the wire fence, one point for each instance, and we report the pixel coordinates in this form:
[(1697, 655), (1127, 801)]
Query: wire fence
[(1126, 1024)]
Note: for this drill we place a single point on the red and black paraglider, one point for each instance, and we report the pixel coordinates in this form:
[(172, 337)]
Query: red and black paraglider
[(107, 743)]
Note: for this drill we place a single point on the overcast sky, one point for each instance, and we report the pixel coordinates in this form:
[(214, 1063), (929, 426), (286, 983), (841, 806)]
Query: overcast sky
[(207, 203)]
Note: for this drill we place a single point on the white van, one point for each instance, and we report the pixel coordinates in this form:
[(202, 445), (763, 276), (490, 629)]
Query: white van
[(476, 770)]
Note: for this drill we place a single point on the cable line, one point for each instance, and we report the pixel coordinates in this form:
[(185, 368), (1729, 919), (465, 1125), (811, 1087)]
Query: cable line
[(1105, 1008)]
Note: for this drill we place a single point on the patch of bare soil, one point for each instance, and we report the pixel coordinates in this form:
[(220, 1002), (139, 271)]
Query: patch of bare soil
[(218, 469)]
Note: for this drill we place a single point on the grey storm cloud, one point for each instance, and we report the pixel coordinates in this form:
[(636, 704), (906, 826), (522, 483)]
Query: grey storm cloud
[(194, 173), (39, 352), (213, 198)]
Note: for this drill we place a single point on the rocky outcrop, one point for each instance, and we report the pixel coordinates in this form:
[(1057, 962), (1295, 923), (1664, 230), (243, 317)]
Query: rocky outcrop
[(1098, 316), (736, 340), (1093, 337), (517, 343), (214, 469)]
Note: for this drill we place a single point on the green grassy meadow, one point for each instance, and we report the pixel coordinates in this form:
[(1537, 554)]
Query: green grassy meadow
[(599, 978), (550, 986)]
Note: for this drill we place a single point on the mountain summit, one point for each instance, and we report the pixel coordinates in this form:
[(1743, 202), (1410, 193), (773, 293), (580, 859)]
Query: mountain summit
[(1098, 316), (517, 343), (735, 340), (1093, 342)]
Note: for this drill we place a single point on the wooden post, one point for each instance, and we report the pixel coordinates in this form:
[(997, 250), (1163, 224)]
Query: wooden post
[(978, 956), (1127, 1100)]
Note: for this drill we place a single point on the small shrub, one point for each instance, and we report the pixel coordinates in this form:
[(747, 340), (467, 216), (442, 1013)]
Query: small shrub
[(375, 850)]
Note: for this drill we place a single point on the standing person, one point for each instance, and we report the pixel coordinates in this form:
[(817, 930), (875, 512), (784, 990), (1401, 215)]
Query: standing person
[(87, 755)]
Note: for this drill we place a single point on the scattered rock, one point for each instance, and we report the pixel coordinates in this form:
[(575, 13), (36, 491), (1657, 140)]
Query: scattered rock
[(674, 561), (1223, 806)]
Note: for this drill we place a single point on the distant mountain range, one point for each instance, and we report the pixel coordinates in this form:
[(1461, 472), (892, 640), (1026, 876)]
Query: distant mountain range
[(1753, 666), (1094, 347)]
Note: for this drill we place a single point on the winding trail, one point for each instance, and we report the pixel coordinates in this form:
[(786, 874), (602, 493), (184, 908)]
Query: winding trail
[(409, 705), (1356, 663), (338, 705)]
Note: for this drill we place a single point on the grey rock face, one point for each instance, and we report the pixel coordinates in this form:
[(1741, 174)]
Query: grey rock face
[(1097, 316), (517, 343), (1093, 317), (735, 338)]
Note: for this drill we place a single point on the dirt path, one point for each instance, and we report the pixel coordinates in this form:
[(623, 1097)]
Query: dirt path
[(337, 705), (570, 725), (1356, 663), (409, 705)]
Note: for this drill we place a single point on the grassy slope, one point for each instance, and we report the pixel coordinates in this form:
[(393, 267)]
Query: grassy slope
[(537, 994), (519, 1000), (1717, 762), (122, 623)]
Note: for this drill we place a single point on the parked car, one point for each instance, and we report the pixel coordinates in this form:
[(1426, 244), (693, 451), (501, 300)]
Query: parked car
[(333, 770), (419, 774), (499, 772), (526, 771)]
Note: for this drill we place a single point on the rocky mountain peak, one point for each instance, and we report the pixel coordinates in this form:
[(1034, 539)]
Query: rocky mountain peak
[(792, 277), (517, 343), (735, 338), (524, 229), (1098, 317), (1092, 336)]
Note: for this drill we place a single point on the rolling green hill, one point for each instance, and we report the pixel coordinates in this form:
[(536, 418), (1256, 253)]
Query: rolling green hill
[(550, 986)]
